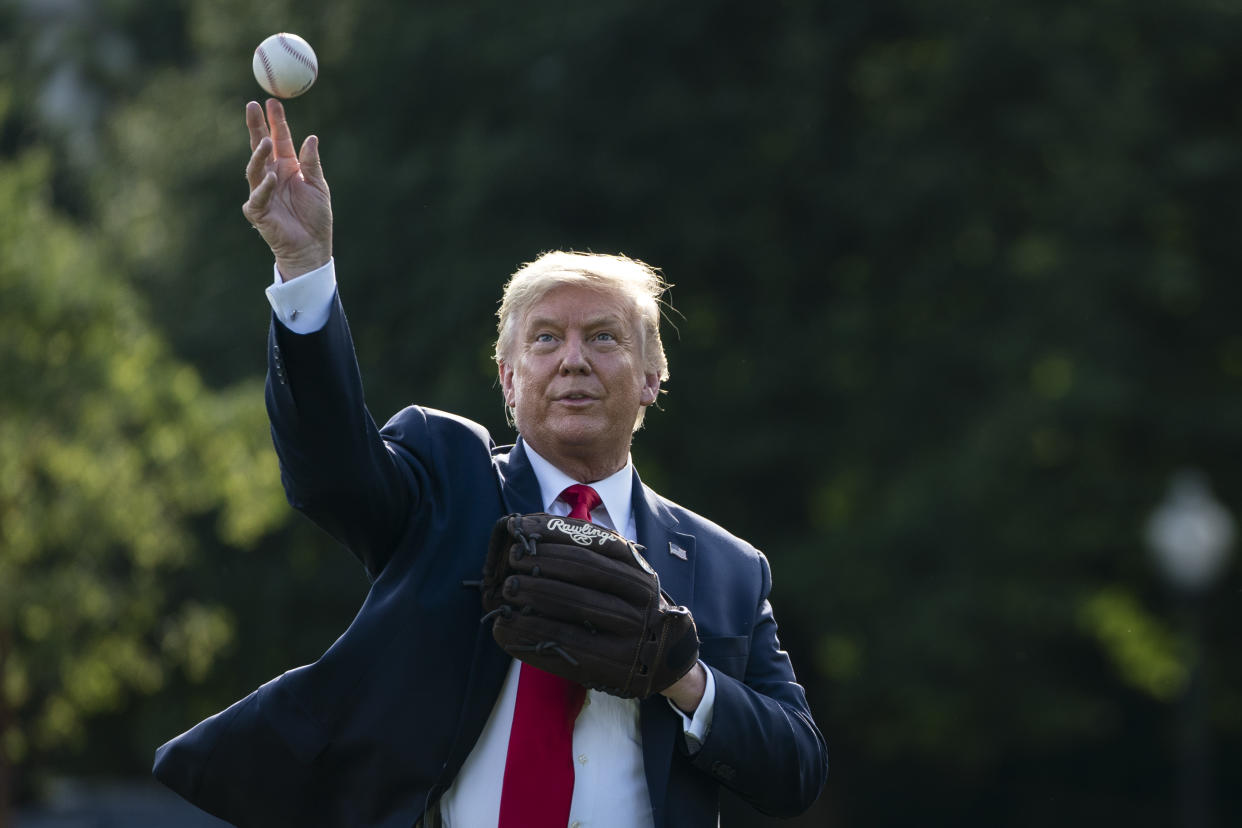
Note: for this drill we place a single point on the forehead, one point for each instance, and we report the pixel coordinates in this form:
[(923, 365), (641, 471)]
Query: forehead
[(578, 304)]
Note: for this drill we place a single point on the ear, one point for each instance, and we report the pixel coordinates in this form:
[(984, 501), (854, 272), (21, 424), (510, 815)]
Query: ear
[(650, 390), (506, 382)]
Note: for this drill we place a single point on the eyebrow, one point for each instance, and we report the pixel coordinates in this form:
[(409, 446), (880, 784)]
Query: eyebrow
[(602, 321)]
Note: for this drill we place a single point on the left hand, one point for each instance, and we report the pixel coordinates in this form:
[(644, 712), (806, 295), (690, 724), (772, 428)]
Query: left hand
[(579, 601)]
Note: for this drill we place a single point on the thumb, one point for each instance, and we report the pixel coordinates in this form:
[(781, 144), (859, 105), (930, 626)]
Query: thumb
[(308, 159)]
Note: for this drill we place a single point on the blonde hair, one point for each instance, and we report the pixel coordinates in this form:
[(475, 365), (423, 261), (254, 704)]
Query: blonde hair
[(637, 282)]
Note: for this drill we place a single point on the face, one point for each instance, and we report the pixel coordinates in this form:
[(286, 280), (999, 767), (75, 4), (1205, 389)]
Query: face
[(576, 383)]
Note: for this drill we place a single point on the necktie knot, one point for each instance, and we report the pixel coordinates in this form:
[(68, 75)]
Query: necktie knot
[(581, 499)]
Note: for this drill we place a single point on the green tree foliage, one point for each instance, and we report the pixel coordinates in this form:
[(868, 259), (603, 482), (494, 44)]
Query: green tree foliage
[(111, 454), (957, 296)]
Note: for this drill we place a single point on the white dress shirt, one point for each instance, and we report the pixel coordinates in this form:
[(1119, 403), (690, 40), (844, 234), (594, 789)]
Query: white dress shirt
[(610, 787)]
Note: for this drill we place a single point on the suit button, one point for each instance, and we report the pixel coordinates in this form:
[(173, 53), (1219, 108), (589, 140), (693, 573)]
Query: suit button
[(725, 772)]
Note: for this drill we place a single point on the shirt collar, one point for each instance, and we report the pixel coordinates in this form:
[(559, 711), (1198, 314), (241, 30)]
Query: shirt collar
[(615, 490)]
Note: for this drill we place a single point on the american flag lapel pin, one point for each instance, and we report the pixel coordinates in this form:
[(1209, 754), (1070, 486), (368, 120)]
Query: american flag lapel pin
[(676, 551)]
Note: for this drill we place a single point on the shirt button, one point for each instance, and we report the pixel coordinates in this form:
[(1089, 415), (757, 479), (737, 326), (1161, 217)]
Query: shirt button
[(582, 758), (575, 824)]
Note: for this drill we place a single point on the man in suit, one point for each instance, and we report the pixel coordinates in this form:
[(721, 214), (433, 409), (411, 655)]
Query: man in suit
[(415, 716)]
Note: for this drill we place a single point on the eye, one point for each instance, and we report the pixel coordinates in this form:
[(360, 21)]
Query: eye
[(604, 336), (544, 337)]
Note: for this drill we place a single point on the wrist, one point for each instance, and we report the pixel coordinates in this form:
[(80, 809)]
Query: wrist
[(687, 691), (291, 268)]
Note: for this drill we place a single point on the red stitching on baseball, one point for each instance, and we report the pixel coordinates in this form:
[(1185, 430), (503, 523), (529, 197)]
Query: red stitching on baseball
[(267, 70), (299, 57)]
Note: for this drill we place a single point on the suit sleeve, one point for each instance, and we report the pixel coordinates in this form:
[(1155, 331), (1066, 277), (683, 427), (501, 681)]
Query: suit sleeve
[(763, 743), (335, 465)]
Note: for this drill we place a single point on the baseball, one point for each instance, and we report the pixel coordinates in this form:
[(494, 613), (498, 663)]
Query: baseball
[(285, 65)]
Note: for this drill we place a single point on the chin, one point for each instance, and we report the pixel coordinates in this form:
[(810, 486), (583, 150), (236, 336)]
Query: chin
[(576, 437), (577, 432)]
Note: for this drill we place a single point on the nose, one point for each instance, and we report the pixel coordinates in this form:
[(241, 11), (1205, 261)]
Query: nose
[(574, 357)]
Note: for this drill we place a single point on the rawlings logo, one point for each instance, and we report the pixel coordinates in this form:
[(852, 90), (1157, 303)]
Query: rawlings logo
[(583, 534)]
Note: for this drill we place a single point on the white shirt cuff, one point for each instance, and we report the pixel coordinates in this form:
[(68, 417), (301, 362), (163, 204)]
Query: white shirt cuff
[(303, 304), (697, 727)]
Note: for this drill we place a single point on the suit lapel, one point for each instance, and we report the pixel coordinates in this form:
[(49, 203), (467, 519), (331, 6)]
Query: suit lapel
[(519, 492), (672, 555), (519, 488)]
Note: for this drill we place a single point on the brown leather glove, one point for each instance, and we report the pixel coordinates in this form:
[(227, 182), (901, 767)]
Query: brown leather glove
[(580, 601)]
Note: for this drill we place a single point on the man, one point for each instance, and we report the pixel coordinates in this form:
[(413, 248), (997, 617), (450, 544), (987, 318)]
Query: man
[(415, 715)]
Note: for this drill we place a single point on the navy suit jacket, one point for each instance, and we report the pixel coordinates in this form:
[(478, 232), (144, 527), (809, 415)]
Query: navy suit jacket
[(378, 727)]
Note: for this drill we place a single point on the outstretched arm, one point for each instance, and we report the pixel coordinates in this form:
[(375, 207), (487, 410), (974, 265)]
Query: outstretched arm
[(334, 464)]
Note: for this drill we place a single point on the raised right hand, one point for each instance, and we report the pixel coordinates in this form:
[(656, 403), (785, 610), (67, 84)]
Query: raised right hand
[(289, 202)]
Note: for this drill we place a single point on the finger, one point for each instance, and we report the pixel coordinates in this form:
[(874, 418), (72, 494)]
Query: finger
[(312, 169), (542, 643), (573, 565), (259, 197), (281, 137), (256, 123), (573, 605), (256, 168)]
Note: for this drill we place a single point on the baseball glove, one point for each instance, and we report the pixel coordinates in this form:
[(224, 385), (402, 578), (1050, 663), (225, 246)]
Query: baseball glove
[(578, 600)]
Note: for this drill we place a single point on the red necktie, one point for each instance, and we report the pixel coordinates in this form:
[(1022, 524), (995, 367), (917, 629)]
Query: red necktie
[(581, 499), (539, 767)]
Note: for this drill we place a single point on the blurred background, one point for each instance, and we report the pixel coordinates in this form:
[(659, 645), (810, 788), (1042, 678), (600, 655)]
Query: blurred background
[(956, 342)]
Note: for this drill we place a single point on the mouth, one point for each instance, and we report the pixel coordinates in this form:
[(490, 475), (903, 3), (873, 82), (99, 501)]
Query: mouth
[(575, 399)]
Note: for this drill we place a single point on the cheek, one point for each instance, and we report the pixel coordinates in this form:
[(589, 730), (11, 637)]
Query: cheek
[(522, 390)]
